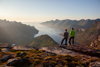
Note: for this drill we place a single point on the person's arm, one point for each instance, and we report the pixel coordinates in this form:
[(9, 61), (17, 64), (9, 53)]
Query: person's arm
[(63, 34), (70, 33)]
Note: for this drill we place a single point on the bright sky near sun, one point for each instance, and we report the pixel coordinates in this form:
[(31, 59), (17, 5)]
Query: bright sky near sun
[(45, 10)]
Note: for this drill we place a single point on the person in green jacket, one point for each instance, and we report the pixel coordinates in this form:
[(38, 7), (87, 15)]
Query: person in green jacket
[(72, 36)]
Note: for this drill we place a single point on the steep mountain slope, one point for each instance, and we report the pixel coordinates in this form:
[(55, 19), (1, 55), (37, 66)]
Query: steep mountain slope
[(89, 35), (18, 32), (4, 37), (68, 24), (43, 41)]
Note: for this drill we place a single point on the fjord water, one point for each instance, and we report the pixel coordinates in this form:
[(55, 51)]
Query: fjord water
[(52, 32)]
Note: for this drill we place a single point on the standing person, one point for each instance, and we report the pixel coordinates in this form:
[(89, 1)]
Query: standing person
[(72, 36), (65, 37)]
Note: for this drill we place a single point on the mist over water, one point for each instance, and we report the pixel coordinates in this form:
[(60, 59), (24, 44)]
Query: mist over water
[(52, 32)]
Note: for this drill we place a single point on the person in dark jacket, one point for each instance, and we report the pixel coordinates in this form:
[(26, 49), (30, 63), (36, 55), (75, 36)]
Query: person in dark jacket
[(65, 37), (72, 36)]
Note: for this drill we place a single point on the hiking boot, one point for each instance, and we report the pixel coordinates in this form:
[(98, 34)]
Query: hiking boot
[(68, 44), (72, 44)]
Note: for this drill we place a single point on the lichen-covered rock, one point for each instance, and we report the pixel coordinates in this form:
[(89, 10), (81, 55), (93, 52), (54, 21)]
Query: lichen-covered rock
[(94, 64)]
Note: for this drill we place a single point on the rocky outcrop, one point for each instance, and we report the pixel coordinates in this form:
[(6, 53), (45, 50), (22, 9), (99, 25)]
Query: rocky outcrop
[(5, 66), (5, 49), (96, 43), (4, 45), (15, 61), (99, 38), (89, 35), (94, 64), (23, 47), (71, 56), (70, 50), (5, 57), (11, 62)]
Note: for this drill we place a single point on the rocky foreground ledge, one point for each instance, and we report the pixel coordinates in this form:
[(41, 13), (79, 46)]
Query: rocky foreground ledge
[(84, 53), (57, 56), (73, 50)]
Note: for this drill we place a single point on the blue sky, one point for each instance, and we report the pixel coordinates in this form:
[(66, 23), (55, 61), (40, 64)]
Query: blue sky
[(45, 10)]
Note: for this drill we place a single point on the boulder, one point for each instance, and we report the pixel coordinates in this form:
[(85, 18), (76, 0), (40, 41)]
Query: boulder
[(96, 42), (4, 45), (79, 66), (94, 64), (20, 62), (5, 49), (23, 47), (5, 66), (99, 38), (92, 44), (22, 53), (13, 61), (5, 57)]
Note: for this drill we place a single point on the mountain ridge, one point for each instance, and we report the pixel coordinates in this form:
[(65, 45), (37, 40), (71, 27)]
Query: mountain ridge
[(68, 24), (20, 34), (43, 41), (90, 34)]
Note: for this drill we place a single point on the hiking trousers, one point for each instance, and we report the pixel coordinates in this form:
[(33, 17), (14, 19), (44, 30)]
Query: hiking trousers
[(65, 41), (71, 39)]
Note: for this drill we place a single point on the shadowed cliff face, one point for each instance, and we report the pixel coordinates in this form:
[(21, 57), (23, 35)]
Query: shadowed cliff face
[(16, 32)]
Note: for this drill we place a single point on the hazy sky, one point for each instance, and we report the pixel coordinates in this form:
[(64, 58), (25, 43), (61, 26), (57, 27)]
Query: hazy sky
[(44, 10)]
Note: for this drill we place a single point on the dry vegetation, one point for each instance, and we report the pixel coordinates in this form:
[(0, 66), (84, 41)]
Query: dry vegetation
[(41, 58)]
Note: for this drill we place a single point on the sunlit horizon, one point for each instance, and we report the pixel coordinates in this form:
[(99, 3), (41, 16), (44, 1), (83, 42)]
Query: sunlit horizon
[(46, 10)]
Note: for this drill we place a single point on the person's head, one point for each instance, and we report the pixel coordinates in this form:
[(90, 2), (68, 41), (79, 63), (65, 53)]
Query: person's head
[(65, 29), (72, 28)]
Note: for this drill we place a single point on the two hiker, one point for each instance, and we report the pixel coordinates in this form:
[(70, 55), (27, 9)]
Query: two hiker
[(66, 35)]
